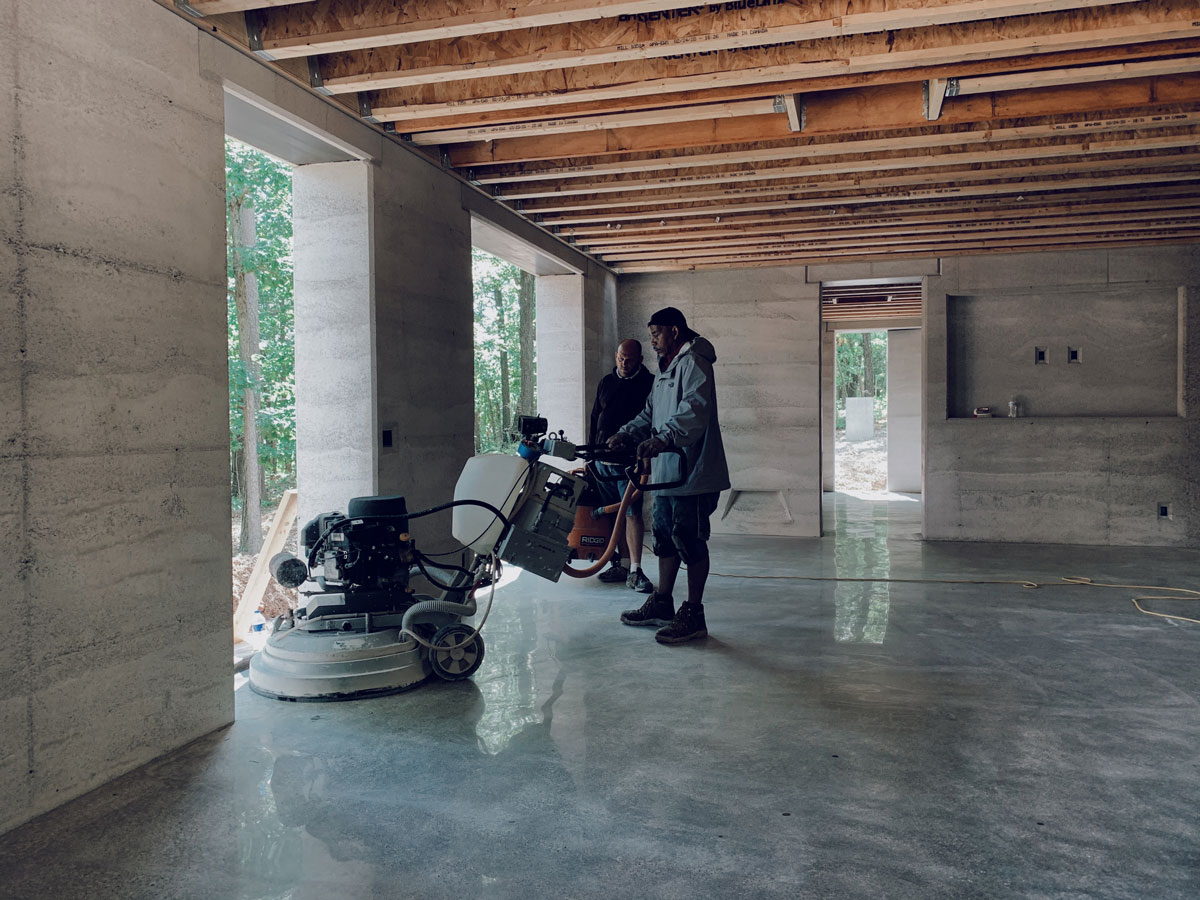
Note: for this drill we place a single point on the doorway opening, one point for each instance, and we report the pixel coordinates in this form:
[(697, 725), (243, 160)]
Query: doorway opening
[(505, 350), (860, 410)]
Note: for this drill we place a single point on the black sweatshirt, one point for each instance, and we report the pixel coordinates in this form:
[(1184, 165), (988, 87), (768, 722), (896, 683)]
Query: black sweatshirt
[(618, 401)]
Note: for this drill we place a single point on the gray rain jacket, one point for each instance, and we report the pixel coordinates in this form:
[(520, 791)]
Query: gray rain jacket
[(682, 410)]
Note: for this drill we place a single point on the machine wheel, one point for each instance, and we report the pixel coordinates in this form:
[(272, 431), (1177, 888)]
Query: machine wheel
[(448, 660)]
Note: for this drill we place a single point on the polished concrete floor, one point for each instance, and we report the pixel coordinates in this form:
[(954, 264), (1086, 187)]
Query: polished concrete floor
[(828, 740)]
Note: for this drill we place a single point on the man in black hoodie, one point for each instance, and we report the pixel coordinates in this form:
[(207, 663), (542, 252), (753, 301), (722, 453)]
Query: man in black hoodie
[(620, 396)]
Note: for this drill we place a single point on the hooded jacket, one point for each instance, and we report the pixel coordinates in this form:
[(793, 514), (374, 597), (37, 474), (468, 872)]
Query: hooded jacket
[(682, 410)]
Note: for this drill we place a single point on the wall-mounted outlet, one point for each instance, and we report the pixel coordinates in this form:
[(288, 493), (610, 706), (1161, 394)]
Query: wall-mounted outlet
[(1039, 356), (1074, 355), (388, 433), (1164, 511)]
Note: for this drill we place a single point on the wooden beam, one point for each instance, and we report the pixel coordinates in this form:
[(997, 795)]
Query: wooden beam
[(465, 115), (894, 196), (825, 147), (577, 49), (824, 242), (1082, 204), (985, 84), (794, 106), (1114, 238), (413, 23), (669, 199), (842, 112), (782, 234), (695, 112), (1173, 19), (260, 575), (926, 160), (214, 7)]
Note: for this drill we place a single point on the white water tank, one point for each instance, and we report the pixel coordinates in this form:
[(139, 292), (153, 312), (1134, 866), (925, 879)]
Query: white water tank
[(495, 478)]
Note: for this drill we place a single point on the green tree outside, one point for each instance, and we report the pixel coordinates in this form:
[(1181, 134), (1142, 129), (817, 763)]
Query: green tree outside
[(505, 361), (861, 371), (258, 191)]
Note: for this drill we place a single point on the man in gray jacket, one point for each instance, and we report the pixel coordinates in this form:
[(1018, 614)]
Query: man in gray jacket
[(680, 414)]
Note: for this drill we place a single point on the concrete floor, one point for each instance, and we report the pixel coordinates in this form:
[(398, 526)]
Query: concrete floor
[(828, 740)]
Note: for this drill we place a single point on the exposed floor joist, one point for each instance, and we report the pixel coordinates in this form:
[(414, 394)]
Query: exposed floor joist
[(659, 136)]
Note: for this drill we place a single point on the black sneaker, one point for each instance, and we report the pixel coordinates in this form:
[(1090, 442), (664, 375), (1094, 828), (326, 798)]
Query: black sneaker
[(689, 625), (614, 574), (656, 611), (637, 581)]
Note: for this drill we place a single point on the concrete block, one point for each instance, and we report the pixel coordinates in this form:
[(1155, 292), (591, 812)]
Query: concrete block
[(1025, 270), (1174, 264), (122, 359), (12, 301), (150, 172), (900, 268), (15, 784), (129, 552)]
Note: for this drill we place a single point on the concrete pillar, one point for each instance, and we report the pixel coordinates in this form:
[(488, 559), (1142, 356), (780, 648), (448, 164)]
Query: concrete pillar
[(1189, 403), (828, 406), (904, 410), (336, 455), (562, 385), (114, 435)]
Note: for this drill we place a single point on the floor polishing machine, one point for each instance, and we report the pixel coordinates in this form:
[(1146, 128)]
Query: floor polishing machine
[(361, 627)]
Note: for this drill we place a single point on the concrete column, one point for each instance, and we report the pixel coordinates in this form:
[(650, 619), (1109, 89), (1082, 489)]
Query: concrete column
[(1189, 402), (336, 455), (114, 435), (904, 410), (828, 406), (562, 386)]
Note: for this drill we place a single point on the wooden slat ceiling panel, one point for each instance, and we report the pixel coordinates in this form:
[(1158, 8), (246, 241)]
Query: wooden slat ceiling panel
[(658, 135)]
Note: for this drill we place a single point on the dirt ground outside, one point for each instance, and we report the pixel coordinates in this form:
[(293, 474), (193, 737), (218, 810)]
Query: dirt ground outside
[(860, 465)]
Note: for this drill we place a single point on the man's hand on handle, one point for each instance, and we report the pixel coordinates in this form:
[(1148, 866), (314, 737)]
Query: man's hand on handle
[(619, 441), (650, 448)]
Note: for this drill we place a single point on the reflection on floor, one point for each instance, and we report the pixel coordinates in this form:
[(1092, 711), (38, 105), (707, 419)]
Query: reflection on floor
[(829, 740)]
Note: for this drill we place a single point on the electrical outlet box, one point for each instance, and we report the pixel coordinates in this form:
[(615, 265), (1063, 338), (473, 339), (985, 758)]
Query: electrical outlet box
[(1039, 356), (1074, 355), (1164, 511)]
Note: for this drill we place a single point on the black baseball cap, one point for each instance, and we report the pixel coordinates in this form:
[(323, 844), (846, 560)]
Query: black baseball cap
[(668, 316)]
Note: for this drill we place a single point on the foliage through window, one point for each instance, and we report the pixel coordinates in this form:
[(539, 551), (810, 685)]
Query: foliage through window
[(505, 359)]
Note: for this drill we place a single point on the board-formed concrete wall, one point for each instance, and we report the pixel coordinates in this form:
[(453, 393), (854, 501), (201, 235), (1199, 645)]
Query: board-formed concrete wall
[(765, 326), (1079, 479), (114, 460)]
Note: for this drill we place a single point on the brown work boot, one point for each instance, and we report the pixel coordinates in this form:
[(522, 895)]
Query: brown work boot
[(689, 625), (657, 611)]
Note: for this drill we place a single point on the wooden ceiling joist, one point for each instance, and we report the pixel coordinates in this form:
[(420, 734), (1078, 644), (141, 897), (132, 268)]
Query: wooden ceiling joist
[(891, 196), (581, 46), (1029, 175), (1154, 20), (693, 113), (828, 113), (1049, 225), (216, 7), (825, 148), (1114, 239), (1101, 201), (924, 160), (1175, 224), (413, 23)]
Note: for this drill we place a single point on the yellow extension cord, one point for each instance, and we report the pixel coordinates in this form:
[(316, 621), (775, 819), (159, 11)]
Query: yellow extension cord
[(1176, 593)]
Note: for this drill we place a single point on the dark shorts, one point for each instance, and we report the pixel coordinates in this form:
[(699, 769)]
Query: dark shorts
[(610, 491), (681, 526)]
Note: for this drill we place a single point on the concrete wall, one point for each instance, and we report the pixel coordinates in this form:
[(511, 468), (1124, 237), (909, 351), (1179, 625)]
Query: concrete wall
[(765, 325), (904, 457), (337, 454), (561, 355), (114, 460), (1082, 479)]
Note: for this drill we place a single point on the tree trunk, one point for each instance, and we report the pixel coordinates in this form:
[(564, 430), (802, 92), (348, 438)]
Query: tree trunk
[(526, 401), (245, 298), (505, 387), (868, 367)]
